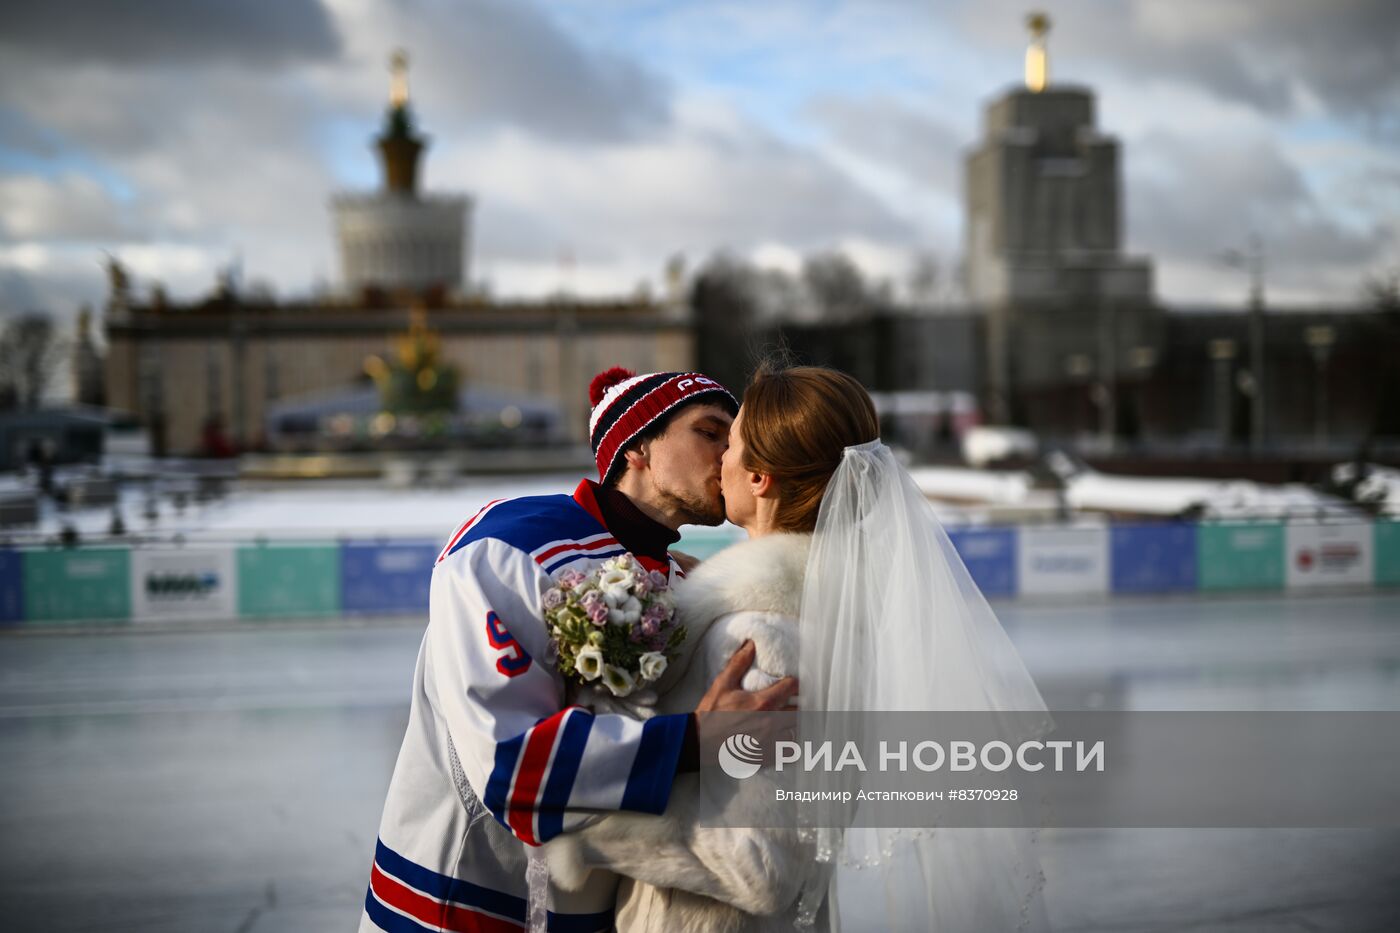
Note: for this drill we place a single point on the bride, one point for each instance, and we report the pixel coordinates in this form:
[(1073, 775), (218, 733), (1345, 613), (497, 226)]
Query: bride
[(844, 550)]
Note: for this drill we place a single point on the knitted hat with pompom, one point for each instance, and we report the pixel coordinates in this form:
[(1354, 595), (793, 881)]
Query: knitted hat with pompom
[(625, 405)]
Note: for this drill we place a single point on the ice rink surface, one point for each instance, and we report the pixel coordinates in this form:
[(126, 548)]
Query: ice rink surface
[(231, 780)]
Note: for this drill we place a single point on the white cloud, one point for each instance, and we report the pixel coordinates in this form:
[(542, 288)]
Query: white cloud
[(703, 186), (70, 205), (600, 142)]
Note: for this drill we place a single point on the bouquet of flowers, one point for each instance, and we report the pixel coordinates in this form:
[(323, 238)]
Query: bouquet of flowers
[(614, 628)]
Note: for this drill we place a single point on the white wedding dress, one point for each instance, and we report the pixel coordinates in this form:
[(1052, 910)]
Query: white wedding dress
[(889, 620)]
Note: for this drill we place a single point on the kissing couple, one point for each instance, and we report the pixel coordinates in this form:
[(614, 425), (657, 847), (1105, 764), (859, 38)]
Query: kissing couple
[(538, 789)]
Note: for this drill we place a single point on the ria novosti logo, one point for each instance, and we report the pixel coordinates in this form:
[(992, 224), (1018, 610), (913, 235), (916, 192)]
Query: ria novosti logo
[(740, 756)]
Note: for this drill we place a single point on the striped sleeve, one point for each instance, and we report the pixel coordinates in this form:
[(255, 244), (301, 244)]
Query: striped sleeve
[(539, 767)]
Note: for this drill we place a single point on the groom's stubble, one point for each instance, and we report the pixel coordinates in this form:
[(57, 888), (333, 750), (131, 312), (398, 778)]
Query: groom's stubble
[(697, 508)]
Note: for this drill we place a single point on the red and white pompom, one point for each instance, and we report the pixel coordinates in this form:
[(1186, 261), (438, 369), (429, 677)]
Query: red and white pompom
[(606, 380)]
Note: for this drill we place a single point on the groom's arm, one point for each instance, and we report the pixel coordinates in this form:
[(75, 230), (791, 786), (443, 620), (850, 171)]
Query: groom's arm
[(759, 871), (540, 768)]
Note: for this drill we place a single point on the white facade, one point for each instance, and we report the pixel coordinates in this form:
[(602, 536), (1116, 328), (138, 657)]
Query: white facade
[(394, 240)]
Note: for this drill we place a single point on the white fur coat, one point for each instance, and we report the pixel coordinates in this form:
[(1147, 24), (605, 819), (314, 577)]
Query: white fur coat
[(679, 876)]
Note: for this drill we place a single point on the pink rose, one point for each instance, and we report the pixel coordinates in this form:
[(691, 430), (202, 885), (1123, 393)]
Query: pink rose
[(598, 614)]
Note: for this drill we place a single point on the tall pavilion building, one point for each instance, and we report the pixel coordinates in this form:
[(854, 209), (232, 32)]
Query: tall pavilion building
[(243, 369), (398, 240), (1064, 307)]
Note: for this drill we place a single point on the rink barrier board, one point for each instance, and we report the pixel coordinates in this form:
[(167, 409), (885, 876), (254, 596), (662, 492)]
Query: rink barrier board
[(1153, 558), (392, 577), (1387, 553), (990, 557), (11, 586), (386, 577), (1062, 561), (86, 585), (183, 584), (1240, 556), (283, 580)]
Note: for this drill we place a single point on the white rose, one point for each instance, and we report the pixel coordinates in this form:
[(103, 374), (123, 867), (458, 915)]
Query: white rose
[(589, 662), (653, 665), (618, 681), (616, 586)]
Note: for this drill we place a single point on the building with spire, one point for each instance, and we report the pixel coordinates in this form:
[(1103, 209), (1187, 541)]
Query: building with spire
[(236, 367), (1063, 333), (1044, 242), (399, 240)]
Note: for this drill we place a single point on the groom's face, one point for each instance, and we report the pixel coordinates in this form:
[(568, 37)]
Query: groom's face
[(685, 463)]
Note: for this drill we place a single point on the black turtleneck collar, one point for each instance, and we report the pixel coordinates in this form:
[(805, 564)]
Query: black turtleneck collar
[(634, 529)]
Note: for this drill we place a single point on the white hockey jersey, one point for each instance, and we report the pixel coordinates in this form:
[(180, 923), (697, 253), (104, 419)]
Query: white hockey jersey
[(492, 760)]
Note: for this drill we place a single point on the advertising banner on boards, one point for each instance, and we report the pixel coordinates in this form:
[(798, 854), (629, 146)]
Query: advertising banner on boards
[(192, 583), (1156, 558), (1329, 555), (77, 585), (387, 577), (990, 557), (1240, 556), (1063, 561)]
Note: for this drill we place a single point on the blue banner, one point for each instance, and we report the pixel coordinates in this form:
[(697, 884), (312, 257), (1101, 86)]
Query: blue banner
[(386, 577), (1156, 558), (990, 556), (11, 586)]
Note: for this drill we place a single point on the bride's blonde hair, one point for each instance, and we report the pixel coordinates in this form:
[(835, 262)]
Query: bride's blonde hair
[(796, 424)]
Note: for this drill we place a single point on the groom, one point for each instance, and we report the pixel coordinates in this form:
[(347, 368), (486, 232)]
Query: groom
[(492, 762)]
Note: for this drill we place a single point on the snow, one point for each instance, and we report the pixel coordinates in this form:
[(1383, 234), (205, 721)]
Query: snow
[(1214, 498), (970, 485), (1380, 485), (328, 510)]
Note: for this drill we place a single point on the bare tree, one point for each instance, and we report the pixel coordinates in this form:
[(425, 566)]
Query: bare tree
[(836, 286), (1383, 290), (925, 279), (30, 354)]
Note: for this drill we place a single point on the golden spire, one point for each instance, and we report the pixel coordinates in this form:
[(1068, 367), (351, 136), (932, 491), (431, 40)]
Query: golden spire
[(1037, 59), (398, 78)]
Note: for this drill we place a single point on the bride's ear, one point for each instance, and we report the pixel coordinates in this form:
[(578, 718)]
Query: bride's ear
[(762, 486)]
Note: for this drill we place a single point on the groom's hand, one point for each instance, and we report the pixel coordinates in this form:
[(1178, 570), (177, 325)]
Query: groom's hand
[(727, 695)]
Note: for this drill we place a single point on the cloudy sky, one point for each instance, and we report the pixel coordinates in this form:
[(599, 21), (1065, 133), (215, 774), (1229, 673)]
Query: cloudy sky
[(600, 137)]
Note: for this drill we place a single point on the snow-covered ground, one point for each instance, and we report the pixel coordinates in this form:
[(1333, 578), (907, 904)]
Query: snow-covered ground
[(1380, 485), (325, 510), (1214, 498), (363, 509), (1088, 490)]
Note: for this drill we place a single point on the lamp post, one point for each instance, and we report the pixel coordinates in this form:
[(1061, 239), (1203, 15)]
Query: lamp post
[(1078, 366), (1106, 391), (1222, 353), (1141, 360), (1252, 260), (1320, 339)]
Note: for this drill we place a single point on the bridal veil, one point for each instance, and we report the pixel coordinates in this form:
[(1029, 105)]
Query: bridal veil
[(891, 620)]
